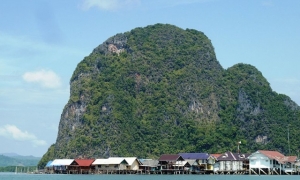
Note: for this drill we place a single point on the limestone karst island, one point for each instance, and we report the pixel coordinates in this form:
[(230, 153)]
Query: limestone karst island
[(156, 100)]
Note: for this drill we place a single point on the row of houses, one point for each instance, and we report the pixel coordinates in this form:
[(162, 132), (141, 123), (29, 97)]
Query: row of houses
[(260, 163)]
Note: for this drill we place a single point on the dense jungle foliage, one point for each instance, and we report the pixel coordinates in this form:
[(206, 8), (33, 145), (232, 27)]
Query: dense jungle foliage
[(160, 89)]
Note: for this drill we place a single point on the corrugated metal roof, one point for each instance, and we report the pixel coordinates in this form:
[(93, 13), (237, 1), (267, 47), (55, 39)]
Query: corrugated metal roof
[(194, 155), (149, 162), (62, 162), (100, 161), (273, 155), (49, 164), (277, 156), (129, 160), (170, 157), (84, 162), (192, 161), (229, 156), (109, 161), (291, 159)]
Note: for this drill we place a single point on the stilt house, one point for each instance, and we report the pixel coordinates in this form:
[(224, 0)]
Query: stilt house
[(60, 166), (271, 162), (82, 166), (167, 161), (231, 163)]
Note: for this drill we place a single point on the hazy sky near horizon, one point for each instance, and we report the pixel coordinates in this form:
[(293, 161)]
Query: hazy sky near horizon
[(41, 43)]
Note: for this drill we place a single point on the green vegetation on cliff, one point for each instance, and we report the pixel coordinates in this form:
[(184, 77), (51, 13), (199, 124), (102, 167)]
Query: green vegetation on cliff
[(160, 89)]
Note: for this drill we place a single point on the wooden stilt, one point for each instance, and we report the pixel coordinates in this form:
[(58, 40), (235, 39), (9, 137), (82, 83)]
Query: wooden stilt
[(263, 171), (254, 171)]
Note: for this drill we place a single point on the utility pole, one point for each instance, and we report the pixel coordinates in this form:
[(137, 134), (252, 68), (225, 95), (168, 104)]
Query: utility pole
[(239, 146), (289, 139)]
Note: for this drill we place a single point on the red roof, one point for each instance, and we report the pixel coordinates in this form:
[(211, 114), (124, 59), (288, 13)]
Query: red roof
[(215, 155), (290, 159), (84, 162), (273, 155)]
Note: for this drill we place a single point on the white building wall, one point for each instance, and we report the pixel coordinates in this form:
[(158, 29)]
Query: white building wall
[(111, 167), (235, 165), (289, 168), (216, 166), (222, 166), (257, 160), (228, 165), (240, 165), (135, 165)]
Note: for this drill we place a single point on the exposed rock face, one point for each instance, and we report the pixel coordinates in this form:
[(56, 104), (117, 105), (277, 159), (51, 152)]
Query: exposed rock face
[(160, 89), (261, 139), (115, 44), (245, 106), (291, 104)]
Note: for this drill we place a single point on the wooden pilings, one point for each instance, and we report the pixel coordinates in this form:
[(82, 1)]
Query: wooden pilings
[(252, 171)]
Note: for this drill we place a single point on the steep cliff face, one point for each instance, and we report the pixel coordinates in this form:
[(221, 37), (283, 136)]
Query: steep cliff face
[(260, 115), (160, 89), (146, 78)]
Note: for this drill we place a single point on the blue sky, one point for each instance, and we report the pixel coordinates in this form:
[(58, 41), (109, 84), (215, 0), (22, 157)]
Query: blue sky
[(41, 43)]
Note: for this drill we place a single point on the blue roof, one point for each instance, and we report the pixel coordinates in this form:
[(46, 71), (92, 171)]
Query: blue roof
[(194, 155), (49, 164)]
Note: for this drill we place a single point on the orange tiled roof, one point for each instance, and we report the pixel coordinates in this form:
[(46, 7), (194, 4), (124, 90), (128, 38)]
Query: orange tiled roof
[(216, 155), (290, 159), (84, 162), (272, 154)]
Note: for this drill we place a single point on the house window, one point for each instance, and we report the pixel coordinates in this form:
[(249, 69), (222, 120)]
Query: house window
[(99, 166), (116, 166)]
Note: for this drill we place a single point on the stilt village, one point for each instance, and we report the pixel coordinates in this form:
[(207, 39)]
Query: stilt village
[(261, 162)]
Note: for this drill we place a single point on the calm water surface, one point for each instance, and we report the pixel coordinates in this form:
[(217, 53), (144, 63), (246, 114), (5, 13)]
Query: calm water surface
[(11, 176)]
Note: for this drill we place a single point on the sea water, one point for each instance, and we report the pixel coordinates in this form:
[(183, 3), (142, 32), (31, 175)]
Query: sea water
[(12, 176)]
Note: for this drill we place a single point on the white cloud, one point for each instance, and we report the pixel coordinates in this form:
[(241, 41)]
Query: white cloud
[(109, 5), (37, 142), (11, 131), (45, 78)]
